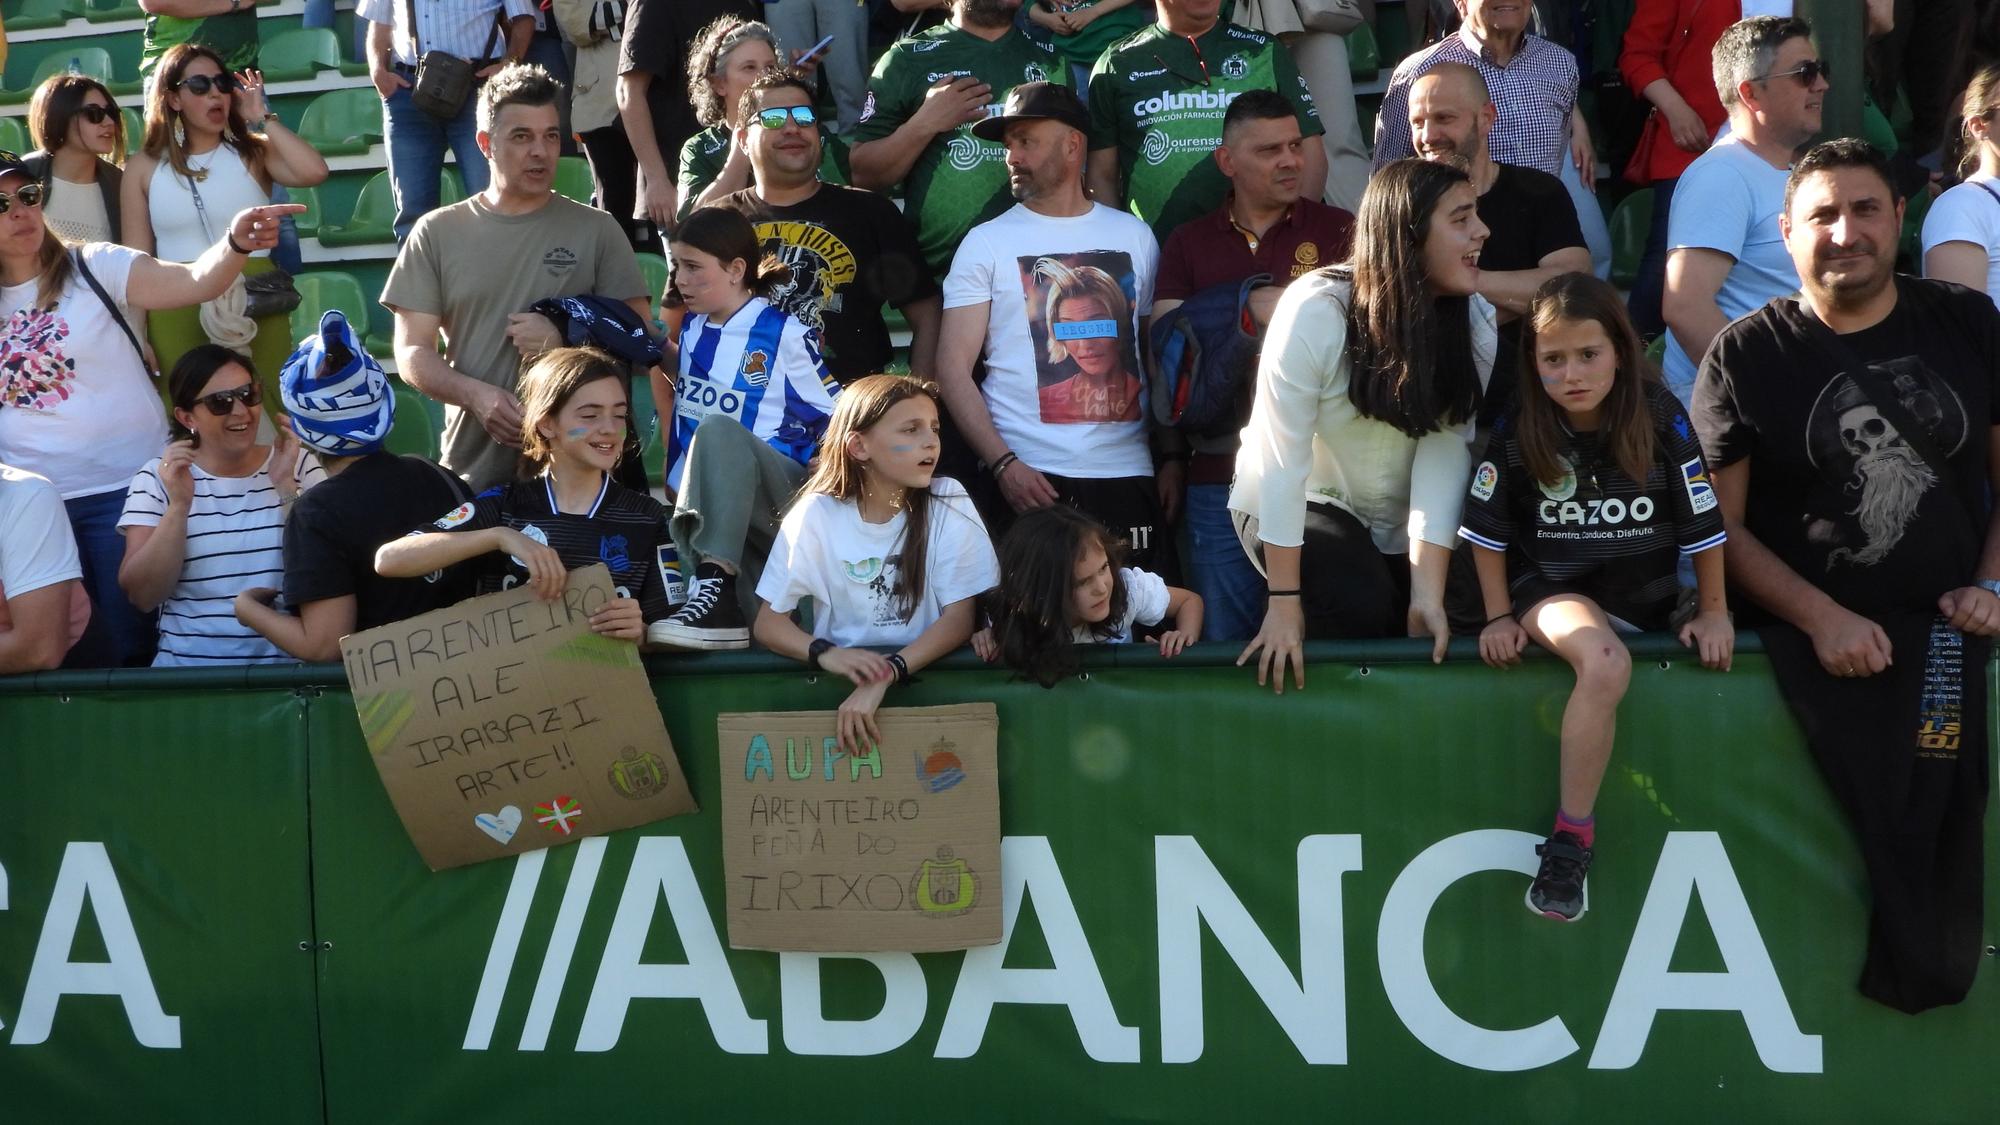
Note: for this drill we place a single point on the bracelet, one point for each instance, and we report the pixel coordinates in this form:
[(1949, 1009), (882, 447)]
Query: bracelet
[(902, 669), (1291, 593), (1000, 465), (817, 649), (230, 238), (1500, 617)]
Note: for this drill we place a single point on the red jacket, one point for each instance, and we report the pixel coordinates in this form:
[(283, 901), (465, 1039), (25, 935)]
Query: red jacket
[(1674, 40)]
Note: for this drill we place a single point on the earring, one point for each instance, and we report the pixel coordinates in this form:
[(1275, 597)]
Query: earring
[(180, 132)]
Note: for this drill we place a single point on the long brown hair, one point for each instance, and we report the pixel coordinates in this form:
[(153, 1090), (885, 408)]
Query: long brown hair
[(159, 142), (1626, 425), (56, 104), (547, 386), (724, 234), (841, 475), (1411, 350)]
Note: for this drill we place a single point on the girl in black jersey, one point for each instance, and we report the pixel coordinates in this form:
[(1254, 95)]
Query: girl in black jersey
[(1591, 491), (574, 421)]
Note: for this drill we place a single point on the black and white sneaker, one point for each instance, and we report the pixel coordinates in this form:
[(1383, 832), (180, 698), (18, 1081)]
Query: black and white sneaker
[(709, 620), (1558, 890)]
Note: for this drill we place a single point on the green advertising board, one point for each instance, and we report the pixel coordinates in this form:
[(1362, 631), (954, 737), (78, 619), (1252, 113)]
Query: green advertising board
[(1221, 905)]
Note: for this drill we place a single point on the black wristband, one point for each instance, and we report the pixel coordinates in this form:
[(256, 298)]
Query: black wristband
[(1000, 465), (230, 238), (1291, 593), (902, 669), (816, 650), (1500, 617)]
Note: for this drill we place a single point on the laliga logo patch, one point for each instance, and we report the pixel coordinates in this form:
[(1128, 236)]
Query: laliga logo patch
[(455, 517), (1155, 147), (1701, 494), (1235, 67), (1484, 479)]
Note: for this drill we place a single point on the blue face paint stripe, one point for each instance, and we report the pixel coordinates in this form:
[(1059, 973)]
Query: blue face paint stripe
[(1085, 330)]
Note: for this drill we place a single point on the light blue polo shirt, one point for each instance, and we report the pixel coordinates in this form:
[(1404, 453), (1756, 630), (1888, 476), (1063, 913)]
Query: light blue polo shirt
[(1729, 199)]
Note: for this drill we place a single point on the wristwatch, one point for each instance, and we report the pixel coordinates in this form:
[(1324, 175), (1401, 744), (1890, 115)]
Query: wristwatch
[(1990, 585)]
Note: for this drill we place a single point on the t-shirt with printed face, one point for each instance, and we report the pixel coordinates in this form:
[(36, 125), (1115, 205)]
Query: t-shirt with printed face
[(1596, 530), (474, 267), (849, 252), (1159, 101), (1836, 489), (624, 530), (1066, 298), (959, 181), (849, 567)]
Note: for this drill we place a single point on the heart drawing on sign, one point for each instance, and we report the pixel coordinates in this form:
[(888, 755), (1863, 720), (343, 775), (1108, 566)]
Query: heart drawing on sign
[(500, 825)]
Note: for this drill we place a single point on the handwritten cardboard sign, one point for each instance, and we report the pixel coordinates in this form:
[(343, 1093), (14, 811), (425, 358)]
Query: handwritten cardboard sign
[(503, 724), (897, 849)]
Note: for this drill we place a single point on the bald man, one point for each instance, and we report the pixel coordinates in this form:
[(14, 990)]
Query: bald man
[(1535, 235)]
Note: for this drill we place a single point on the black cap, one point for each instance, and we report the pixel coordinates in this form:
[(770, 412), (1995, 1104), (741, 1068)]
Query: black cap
[(1034, 101), (10, 164)]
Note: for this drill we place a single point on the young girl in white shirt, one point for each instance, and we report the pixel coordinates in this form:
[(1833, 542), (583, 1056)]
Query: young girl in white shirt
[(1062, 584), (891, 556)]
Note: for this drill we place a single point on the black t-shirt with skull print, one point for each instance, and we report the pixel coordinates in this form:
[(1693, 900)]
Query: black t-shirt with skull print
[(1836, 490)]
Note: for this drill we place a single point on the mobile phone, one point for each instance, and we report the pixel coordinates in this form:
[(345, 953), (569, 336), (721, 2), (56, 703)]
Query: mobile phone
[(816, 49)]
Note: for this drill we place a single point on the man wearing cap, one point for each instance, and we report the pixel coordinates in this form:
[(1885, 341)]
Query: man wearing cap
[(1056, 289), (341, 408)]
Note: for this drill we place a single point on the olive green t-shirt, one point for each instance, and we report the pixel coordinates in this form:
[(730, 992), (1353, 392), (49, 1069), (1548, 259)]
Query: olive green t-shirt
[(960, 181), (705, 154), (1159, 101), (233, 35)]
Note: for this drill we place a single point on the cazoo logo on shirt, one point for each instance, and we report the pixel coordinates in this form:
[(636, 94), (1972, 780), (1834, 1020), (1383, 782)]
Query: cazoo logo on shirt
[(1594, 513)]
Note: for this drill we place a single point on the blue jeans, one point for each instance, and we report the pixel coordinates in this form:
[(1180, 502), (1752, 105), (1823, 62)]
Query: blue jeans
[(100, 548), (1232, 592), (417, 143)]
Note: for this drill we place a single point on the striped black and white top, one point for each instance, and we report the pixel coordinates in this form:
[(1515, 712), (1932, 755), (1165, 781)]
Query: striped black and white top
[(235, 540)]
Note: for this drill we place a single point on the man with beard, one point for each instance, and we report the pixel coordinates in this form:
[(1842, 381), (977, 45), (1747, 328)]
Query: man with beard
[(1866, 533), (849, 250), (1055, 290), (916, 123)]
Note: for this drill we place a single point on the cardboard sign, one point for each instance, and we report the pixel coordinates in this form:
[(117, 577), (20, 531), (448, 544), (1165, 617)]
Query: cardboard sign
[(898, 849), (503, 724)]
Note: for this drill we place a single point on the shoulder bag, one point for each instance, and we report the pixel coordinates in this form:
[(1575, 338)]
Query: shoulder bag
[(444, 80)]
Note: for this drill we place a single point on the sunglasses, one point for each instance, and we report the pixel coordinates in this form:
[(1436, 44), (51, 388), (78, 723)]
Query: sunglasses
[(223, 403), (802, 115), (1807, 72), (96, 114), (200, 84), (29, 195)]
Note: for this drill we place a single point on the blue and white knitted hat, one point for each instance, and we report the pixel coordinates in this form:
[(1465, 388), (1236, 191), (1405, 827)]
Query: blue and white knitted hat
[(342, 411)]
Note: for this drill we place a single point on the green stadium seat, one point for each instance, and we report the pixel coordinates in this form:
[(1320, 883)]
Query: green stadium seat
[(652, 443), (321, 291), (373, 219), (1630, 222), (451, 188), (1392, 37), (299, 54), (1911, 246), (14, 135), (894, 320), (654, 268), (112, 11), (343, 122), (1363, 57), (574, 180), (308, 221), (94, 61), (135, 128), (33, 15), (415, 431)]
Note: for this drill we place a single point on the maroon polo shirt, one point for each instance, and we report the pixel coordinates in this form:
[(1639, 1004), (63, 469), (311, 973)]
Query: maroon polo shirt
[(1213, 250)]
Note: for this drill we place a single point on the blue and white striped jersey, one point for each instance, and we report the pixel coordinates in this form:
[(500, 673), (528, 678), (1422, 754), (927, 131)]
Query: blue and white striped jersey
[(760, 367)]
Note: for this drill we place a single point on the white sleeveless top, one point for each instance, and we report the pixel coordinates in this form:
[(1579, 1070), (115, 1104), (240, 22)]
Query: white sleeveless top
[(177, 224)]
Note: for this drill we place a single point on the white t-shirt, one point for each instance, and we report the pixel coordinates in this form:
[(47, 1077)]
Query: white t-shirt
[(36, 546), (1969, 213), (1146, 601), (848, 567), (1729, 200), (1074, 405), (75, 404), (235, 540)]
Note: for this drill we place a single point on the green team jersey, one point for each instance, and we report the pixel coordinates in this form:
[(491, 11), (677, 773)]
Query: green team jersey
[(705, 153), (1159, 101), (232, 35), (960, 181)]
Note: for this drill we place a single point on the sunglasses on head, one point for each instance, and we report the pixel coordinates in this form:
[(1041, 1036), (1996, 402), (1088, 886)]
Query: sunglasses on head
[(776, 118), (200, 84), (223, 403), (96, 114), (29, 195), (1807, 72)]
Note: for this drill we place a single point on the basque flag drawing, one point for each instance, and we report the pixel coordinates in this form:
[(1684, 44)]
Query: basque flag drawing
[(558, 813)]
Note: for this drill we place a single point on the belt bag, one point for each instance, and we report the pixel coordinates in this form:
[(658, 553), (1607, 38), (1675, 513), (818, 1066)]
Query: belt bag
[(444, 80), (269, 294)]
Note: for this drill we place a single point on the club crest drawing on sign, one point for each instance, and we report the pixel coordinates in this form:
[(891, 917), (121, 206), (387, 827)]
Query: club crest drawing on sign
[(1080, 320)]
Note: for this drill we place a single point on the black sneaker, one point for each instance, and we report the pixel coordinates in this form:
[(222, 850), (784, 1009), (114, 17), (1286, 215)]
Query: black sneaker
[(1558, 890), (709, 620)]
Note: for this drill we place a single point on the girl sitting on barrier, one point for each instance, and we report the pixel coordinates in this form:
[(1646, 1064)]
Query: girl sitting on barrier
[(574, 421), (1062, 585), (1592, 490), (890, 555)]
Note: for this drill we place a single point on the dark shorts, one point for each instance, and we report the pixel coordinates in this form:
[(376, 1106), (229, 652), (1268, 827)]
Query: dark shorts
[(1129, 506), (1531, 588)]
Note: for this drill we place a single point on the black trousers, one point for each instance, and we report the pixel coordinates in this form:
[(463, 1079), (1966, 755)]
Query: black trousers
[(1347, 587), (1129, 506)]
